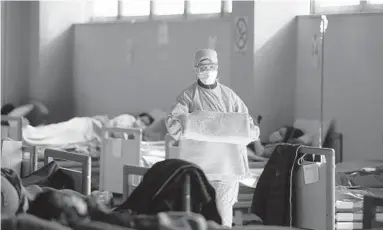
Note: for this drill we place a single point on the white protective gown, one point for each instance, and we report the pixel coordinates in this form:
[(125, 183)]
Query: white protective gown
[(219, 161)]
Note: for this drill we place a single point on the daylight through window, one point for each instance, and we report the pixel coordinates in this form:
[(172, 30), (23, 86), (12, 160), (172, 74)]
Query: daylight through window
[(204, 6), (168, 7), (105, 8), (135, 8)]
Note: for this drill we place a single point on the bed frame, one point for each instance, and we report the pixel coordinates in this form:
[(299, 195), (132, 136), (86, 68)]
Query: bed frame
[(30, 154), (242, 209), (370, 204), (124, 147), (315, 206), (119, 147), (311, 211), (14, 130), (82, 179), (29, 163)]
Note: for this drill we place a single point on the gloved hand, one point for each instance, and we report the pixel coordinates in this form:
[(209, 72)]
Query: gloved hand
[(254, 132)]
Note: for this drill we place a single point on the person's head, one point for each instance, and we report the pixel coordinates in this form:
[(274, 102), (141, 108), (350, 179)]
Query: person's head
[(206, 65), (284, 134), (7, 108), (146, 119)]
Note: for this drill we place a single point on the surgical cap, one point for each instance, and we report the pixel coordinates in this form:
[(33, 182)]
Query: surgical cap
[(206, 54)]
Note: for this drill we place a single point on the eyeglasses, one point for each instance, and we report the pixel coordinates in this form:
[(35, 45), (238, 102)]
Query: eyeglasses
[(206, 67)]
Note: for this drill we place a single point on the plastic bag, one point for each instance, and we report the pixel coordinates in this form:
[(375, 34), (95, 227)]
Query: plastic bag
[(209, 126)]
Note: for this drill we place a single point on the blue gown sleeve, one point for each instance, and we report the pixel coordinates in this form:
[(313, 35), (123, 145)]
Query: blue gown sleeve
[(173, 120)]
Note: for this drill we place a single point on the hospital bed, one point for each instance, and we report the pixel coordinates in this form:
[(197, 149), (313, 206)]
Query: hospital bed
[(112, 143), (242, 207), (119, 146), (14, 128), (125, 146), (14, 132), (128, 148), (242, 213), (315, 202), (34, 157), (81, 178)]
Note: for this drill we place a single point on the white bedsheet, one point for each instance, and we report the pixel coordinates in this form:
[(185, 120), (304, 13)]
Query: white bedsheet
[(75, 132), (152, 152), (81, 134)]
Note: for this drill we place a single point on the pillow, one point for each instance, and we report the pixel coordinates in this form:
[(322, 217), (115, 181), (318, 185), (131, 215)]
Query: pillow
[(306, 139), (311, 128)]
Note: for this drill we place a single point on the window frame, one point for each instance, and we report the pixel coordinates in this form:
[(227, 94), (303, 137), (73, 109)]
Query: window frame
[(362, 8), (102, 18), (152, 16)]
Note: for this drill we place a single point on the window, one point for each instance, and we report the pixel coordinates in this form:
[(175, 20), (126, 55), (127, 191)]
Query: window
[(123, 9), (169, 7), (105, 8), (229, 6), (204, 6), (375, 1), (335, 3), (346, 6), (135, 7)]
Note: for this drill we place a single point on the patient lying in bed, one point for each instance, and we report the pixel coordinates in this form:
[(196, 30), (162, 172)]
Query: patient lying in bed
[(286, 134), (83, 134)]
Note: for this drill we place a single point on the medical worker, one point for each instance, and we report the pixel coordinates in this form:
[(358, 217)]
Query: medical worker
[(224, 167)]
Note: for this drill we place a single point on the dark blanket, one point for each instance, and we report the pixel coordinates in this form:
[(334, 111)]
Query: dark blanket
[(161, 190), (29, 222), (51, 176), (371, 177), (271, 199)]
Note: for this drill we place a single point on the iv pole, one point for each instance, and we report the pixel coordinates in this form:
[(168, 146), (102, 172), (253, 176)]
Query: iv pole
[(323, 28)]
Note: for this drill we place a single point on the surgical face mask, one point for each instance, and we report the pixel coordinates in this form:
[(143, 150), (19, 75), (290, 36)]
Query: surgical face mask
[(275, 137), (208, 77)]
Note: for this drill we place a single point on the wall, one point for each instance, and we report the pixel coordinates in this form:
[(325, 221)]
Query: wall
[(242, 68), (109, 81), (263, 76), (2, 89), (15, 51), (275, 46), (38, 53), (353, 80), (52, 81)]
